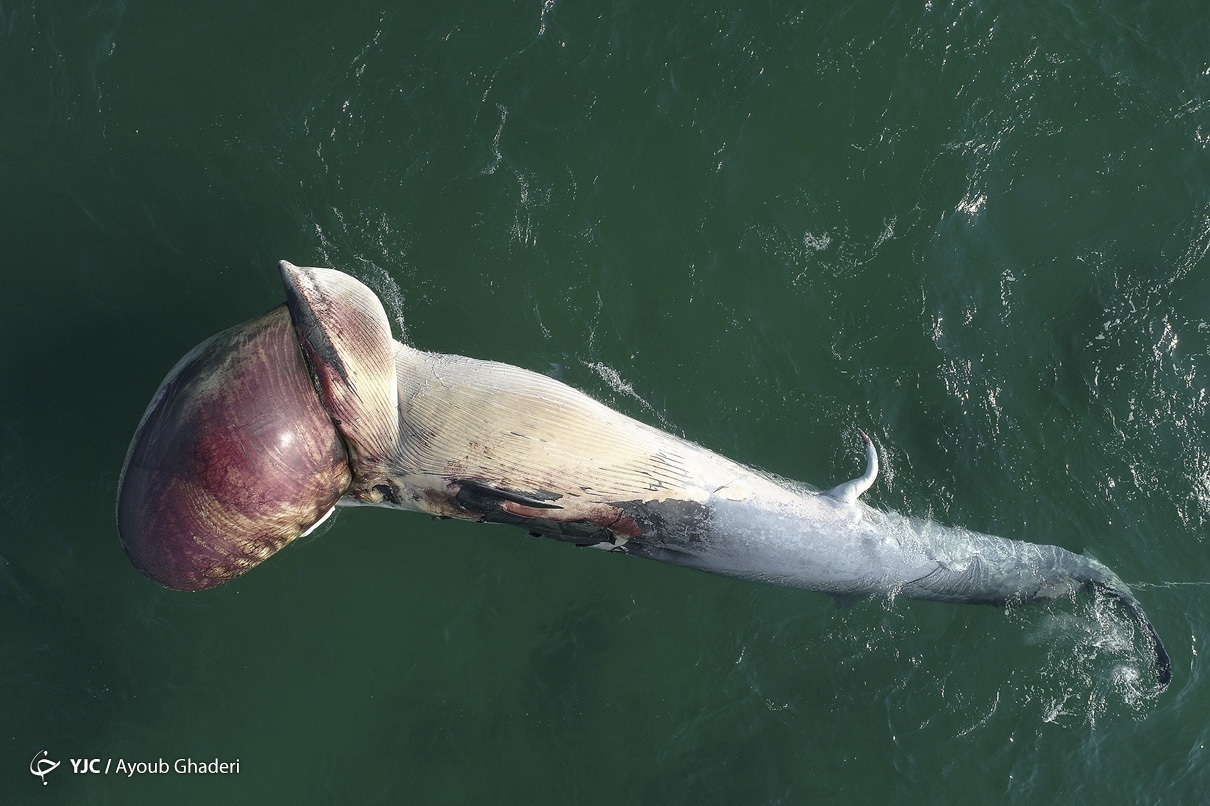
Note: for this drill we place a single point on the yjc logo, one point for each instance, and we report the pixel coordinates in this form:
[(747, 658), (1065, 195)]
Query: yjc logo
[(86, 765), (42, 766)]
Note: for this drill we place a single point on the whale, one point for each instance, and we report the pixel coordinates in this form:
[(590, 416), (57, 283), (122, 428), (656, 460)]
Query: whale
[(257, 434)]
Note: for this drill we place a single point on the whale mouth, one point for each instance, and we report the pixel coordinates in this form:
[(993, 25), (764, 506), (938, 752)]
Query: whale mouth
[(234, 458), (258, 432)]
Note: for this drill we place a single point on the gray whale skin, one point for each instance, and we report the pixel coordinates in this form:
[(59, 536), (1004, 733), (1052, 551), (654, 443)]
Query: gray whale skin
[(260, 431)]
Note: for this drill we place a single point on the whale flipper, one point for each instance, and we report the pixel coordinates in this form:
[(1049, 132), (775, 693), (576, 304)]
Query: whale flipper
[(850, 491)]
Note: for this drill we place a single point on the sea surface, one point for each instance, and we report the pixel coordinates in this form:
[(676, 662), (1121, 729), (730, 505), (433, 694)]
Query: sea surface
[(978, 231)]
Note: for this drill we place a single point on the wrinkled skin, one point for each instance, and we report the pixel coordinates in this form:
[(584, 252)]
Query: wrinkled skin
[(327, 408)]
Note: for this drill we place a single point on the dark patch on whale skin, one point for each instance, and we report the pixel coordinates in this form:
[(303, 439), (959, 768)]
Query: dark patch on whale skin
[(672, 530), (663, 530), (487, 504), (388, 494), (471, 491)]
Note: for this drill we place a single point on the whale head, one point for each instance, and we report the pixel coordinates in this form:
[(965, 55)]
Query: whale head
[(256, 433)]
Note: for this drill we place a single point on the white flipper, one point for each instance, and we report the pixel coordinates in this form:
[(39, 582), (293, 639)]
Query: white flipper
[(850, 491)]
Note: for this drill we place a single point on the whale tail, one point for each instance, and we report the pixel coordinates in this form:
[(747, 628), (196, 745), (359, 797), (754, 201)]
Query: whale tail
[(1099, 578), (972, 568), (1122, 594)]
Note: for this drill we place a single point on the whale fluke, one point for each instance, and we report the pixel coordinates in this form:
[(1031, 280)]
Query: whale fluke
[(1163, 663)]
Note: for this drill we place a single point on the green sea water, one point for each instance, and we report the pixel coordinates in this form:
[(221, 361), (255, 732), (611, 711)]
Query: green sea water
[(978, 231)]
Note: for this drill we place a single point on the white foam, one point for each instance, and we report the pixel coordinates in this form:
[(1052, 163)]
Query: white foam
[(618, 384)]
